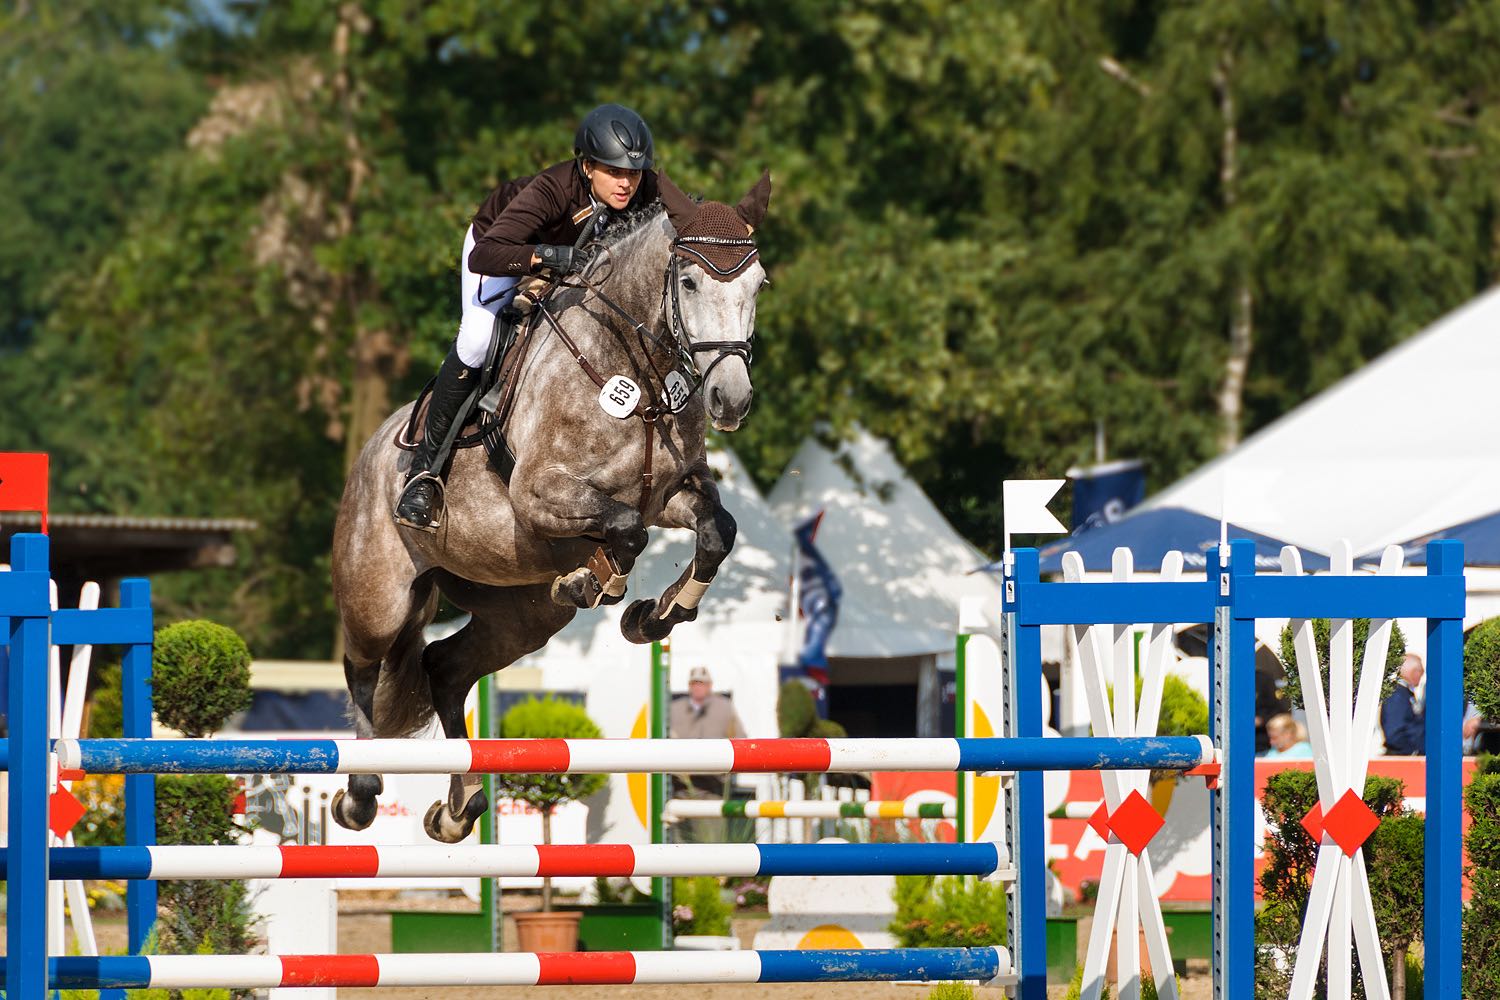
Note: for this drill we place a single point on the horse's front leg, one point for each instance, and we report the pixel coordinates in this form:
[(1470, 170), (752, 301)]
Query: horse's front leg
[(556, 504), (695, 506)]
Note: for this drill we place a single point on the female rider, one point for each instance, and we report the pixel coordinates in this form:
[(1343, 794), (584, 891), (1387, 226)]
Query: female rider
[(525, 226)]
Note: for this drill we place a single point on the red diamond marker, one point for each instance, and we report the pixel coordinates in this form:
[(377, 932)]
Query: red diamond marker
[(1099, 822), (63, 811), (1135, 822), (1350, 822), (1313, 822)]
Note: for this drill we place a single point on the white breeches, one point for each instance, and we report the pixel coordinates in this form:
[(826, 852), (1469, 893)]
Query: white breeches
[(483, 298)]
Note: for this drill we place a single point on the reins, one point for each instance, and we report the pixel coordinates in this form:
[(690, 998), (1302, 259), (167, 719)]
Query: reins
[(657, 398)]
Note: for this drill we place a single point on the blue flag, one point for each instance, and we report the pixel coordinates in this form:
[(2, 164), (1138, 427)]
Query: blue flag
[(1103, 493), (819, 600)]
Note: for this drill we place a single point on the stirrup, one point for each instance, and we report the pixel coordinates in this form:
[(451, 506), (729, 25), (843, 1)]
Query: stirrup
[(439, 502)]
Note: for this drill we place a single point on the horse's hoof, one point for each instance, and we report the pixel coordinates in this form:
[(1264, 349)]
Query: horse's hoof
[(579, 589), (351, 818), (639, 624), (442, 827)]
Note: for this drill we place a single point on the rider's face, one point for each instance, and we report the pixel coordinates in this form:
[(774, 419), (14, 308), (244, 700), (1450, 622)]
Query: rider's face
[(614, 186)]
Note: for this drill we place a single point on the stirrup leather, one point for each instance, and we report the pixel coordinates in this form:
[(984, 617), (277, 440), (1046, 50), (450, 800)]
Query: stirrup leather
[(439, 502)]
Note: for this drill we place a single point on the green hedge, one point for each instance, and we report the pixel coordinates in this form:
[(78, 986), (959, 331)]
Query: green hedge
[(948, 911), (1481, 930), (200, 676), (1321, 632), (1482, 667)]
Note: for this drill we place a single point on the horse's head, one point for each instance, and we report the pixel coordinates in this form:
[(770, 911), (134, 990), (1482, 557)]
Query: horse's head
[(714, 278)]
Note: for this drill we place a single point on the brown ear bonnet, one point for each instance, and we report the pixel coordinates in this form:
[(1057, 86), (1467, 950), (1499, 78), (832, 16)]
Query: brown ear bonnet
[(713, 235)]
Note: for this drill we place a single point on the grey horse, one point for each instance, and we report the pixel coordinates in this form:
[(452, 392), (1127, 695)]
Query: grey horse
[(607, 433)]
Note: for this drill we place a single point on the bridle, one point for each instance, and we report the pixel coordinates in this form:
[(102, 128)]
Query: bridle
[(677, 326), (657, 400), (681, 343)]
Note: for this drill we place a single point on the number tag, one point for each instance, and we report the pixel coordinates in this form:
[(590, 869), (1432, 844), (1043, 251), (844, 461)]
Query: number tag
[(678, 390), (619, 396)]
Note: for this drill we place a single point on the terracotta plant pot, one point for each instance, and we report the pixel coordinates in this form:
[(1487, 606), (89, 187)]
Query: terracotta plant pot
[(555, 931)]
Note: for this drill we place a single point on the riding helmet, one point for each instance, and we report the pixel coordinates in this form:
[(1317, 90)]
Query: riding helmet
[(615, 136)]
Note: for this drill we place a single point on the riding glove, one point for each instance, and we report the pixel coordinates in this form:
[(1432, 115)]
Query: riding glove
[(555, 258)]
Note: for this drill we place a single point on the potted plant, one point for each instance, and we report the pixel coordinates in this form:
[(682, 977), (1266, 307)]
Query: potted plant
[(548, 718)]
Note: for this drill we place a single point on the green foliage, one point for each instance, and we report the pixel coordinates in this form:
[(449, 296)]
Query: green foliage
[(1291, 856), (548, 718), (200, 676), (106, 708), (795, 711), (1395, 855), (1321, 635), (1481, 931), (201, 916), (1482, 667), (827, 729), (698, 907), (951, 991), (934, 911)]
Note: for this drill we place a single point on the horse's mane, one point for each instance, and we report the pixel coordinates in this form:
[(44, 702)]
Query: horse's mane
[(624, 224)]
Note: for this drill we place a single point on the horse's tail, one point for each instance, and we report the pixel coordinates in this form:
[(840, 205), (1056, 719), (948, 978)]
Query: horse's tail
[(403, 699)]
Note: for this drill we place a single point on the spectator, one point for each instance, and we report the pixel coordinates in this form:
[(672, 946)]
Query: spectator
[(1287, 739), (702, 715), (1404, 726), (1472, 724)]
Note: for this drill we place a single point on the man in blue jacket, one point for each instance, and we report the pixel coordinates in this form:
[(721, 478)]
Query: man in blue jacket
[(1405, 728)]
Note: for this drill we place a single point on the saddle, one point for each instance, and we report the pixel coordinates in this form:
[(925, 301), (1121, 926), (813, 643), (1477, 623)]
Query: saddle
[(482, 417)]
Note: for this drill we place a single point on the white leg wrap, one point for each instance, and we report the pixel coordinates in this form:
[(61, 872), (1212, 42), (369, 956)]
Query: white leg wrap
[(616, 586), (688, 597)]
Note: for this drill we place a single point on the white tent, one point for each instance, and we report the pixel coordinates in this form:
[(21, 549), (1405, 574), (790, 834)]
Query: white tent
[(1402, 447), (902, 568)]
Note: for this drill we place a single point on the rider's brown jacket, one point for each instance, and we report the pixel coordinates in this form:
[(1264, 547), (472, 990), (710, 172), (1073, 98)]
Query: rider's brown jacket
[(549, 207)]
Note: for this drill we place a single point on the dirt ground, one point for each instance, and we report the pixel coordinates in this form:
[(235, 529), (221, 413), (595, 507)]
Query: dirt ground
[(365, 927)]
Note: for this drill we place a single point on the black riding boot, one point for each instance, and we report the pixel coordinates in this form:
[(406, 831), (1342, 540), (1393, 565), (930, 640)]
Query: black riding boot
[(421, 503)]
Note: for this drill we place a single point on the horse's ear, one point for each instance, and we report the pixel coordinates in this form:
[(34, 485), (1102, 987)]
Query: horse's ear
[(680, 208), (752, 207)]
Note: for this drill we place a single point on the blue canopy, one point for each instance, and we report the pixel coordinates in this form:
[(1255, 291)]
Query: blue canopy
[(1481, 538), (1151, 534)]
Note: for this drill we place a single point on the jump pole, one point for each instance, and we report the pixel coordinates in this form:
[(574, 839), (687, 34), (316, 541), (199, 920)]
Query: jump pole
[(989, 965), (1027, 753), (489, 861)]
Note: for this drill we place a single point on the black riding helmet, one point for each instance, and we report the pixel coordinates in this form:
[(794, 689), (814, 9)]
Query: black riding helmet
[(615, 136)]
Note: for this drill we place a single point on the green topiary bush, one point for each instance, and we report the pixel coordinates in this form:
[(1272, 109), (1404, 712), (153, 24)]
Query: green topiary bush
[(201, 916), (795, 710), (548, 718), (698, 906), (1395, 860), (1291, 856), (1482, 667), (1481, 930), (200, 676), (948, 911), (1321, 632), (106, 709)]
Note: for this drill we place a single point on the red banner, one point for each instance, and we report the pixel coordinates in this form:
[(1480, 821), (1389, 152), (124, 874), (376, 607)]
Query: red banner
[(23, 482)]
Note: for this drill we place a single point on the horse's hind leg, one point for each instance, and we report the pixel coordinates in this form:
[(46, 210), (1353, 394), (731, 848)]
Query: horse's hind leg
[(356, 811), (506, 624), (387, 687), (696, 506)]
